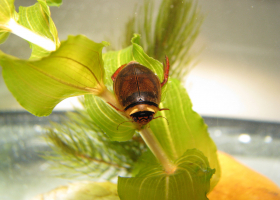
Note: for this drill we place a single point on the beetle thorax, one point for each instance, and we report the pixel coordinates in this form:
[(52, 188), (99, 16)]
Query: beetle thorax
[(142, 113)]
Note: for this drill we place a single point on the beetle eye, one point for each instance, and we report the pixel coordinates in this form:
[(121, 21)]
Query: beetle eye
[(135, 119), (150, 117)]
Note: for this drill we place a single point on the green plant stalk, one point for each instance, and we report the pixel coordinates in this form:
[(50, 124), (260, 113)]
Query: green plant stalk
[(30, 36), (147, 135), (109, 97), (153, 144)]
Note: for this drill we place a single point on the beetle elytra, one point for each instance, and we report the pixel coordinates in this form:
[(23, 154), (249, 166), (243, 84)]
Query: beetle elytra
[(138, 91)]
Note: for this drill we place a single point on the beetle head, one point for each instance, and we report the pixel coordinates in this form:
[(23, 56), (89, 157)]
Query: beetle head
[(142, 117), (142, 114)]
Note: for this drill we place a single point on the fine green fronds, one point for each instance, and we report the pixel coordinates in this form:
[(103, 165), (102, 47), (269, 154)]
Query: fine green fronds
[(80, 149), (172, 32)]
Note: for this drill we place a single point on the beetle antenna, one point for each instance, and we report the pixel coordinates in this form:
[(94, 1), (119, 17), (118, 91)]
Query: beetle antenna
[(162, 117), (122, 123)]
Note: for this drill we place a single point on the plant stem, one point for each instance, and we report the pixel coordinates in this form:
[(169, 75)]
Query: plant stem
[(109, 97), (30, 36), (155, 147)]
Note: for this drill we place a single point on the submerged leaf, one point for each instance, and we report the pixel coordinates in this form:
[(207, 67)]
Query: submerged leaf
[(38, 19), (172, 32), (7, 10), (189, 181), (110, 120), (54, 2), (114, 59), (76, 68), (180, 128)]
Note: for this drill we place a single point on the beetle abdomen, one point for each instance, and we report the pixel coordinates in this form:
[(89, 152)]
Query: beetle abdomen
[(136, 84)]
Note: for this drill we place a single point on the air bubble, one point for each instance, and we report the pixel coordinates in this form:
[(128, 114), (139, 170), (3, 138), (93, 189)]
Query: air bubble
[(244, 138)]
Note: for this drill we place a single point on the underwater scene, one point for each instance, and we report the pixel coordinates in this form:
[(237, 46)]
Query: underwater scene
[(126, 99)]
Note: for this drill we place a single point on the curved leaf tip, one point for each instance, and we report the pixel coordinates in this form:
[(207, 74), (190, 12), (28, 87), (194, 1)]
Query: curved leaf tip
[(191, 180), (53, 2), (76, 68)]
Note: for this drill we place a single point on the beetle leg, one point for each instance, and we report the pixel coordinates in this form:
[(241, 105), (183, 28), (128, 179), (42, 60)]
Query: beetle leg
[(115, 107), (166, 71), (162, 117), (160, 109), (117, 72), (122, 123)]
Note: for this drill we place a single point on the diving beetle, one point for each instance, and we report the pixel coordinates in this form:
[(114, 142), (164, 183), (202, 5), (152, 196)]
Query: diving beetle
[(138, 91)]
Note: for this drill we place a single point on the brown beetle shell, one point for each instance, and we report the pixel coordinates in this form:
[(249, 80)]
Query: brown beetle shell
[(136, 84)]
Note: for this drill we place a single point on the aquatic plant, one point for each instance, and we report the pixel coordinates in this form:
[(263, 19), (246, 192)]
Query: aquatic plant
[(180, 161)]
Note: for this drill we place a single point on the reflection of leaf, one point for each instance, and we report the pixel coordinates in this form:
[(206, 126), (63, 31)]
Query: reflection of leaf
[(189, 181), (37, 18), (76, 68)]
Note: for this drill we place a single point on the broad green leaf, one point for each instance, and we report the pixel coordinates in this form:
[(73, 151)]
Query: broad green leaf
[(186, 129), (108, 119), (140, 56), (76, 68), (190, 181), (111, 121), (37, 18), (182, 128), (113, 60), (7, 10), (54, 2)]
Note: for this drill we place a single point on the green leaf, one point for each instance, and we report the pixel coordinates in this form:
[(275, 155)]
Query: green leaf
[(109, 120), (4, 36), (186, 129), (189, 181), (54, 2), (76, 68), (37, 18), (114, 59), (7, 10), (182, 128), (140, 56)]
